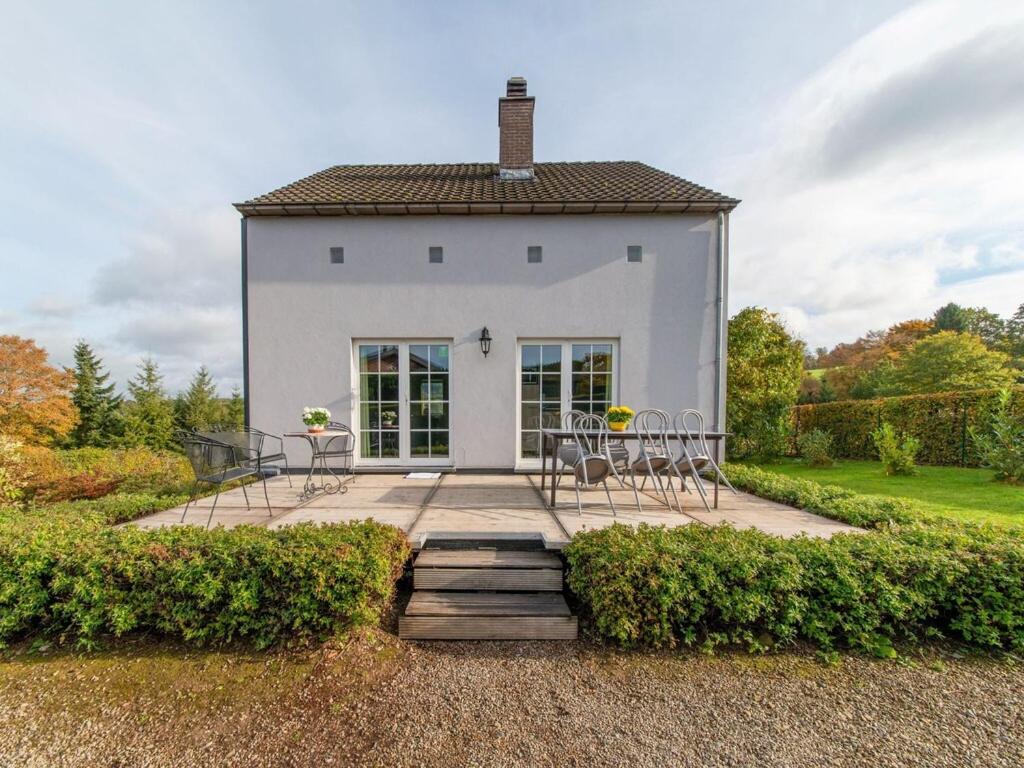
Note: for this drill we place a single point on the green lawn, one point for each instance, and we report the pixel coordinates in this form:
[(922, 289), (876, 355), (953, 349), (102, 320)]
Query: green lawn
[(967, 494)]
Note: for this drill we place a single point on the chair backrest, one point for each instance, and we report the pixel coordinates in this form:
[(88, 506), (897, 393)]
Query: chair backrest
[(339, 443), (689, 428), (207, 456), (249, 442), (590, 432), (570, 417), (651, 426)]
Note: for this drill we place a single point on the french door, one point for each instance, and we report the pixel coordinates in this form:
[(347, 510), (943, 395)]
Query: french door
[(557, 376), (404, 402)]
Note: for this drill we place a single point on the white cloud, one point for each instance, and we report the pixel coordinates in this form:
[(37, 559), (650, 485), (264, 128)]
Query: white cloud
[(53, 305), (886, 176)]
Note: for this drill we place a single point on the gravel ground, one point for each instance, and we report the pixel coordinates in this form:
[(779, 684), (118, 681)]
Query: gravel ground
[(377, 701)]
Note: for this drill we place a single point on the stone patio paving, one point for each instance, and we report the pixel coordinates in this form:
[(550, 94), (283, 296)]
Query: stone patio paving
[(486, 504)]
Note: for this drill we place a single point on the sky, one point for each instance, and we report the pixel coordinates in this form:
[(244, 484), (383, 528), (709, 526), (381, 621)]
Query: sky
[(878, 146)]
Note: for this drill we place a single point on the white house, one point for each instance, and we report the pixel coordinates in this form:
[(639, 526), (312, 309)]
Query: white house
[(367, 289)]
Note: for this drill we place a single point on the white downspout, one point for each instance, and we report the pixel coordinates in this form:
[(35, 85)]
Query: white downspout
[(720, 322)]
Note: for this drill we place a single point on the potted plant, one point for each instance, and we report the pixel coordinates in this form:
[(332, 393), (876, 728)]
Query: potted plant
[(619, 417), (315, 419), (387, 418)]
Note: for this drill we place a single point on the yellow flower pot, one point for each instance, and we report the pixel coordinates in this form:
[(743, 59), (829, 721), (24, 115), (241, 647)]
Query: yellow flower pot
[(618, 426)]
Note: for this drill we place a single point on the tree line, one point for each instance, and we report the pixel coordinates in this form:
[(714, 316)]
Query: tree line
[(80, 407), (957, 349)]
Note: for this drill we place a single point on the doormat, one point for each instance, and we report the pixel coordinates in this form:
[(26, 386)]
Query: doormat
[(423, 476)]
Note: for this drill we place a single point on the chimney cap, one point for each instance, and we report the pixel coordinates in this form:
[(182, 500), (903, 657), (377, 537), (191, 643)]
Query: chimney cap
[(516, 87)]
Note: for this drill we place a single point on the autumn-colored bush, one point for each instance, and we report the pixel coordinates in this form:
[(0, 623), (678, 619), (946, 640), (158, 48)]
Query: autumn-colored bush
[(945, 424), (89, 473)]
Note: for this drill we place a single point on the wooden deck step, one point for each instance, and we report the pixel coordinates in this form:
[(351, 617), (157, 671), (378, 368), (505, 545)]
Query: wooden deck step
[(486, 604), (486, 558), (489, 579), (482, 616)]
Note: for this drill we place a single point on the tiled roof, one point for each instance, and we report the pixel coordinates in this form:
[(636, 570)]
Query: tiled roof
[(605, 187)]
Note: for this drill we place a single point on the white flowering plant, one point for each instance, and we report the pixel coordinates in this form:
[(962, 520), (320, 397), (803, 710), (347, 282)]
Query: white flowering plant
[(315, 417)]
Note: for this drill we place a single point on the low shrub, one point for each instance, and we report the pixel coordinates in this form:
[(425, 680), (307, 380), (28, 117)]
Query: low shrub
[(77, 579), (11, 475), (90, 473), (114, 509), (895, 451), (816, 448), (830, 501), (1001, 447), (708, 586)]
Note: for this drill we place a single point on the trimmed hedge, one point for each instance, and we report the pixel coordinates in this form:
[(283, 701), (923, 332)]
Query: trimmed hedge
[(73, 577), (830, 501), (942, 422), (707, 586)]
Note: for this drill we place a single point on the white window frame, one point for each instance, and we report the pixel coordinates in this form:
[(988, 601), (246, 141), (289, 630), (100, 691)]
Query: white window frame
[(405, 457), (566, 393)]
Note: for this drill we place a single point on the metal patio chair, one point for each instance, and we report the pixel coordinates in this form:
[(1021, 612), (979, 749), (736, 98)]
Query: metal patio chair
[(341, 447), (568, 453), (262, 447), (654, 458), (689, 423), (592, 465), (690, 460), (215, 463)]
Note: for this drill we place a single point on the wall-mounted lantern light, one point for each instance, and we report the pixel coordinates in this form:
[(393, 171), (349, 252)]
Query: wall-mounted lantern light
[(485, 341)]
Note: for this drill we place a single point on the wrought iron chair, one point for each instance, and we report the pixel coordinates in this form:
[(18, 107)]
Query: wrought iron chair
[(341, 447), (654, 458), (592, 465), (697, 440), (263, 446), (215, 463)]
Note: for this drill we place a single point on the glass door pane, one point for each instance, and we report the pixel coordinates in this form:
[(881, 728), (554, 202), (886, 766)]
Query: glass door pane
[(592, 378), (540, 394), (379, 420), (429, 401)]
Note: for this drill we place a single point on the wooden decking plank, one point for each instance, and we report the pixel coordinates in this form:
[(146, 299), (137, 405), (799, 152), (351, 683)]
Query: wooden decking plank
[(486, 604), (503, 579), (487, 628), (486, 558)]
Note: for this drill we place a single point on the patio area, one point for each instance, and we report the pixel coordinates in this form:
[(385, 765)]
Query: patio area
[(485, 504)]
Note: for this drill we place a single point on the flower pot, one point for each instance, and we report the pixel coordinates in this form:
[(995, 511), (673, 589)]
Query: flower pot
[(389, 423), (618, 426), (314, 428)]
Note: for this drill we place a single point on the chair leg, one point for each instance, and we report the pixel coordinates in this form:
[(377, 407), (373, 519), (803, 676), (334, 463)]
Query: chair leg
[(609, 493), (287, 471), (700, 486), (244, 493), (267, 497), (579, 504), (213, 507), (191, 498), (632, 479)]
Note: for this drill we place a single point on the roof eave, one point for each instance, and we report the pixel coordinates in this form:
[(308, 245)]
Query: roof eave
[(486, 207)]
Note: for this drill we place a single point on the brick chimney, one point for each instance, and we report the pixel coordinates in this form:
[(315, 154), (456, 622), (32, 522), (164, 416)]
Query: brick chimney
[(515, 124)]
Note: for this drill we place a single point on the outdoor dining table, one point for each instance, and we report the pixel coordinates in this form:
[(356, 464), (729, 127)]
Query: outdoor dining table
[(553, 438), (319, 443)]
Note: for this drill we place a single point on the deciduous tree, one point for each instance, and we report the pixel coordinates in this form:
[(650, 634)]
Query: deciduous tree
[(765, 366), (35, 402), (949, 361)]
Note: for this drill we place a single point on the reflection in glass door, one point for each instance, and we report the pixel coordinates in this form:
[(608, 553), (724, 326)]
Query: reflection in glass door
[(428, 400), (379, 424), (404, 402), (556, 376)]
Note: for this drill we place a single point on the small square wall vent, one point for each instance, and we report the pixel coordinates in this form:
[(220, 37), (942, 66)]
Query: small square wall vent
[(534, 254), (337, 255), (634, 253), (436, 254)]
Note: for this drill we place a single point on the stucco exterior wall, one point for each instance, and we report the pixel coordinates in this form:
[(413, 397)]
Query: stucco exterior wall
[(304, 312)]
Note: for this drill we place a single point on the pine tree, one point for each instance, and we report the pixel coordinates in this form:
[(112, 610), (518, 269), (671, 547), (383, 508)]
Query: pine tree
[(199, 408), (98, 405), (234, 409), (148, 417)]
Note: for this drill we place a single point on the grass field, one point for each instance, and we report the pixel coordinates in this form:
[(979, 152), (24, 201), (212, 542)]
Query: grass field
[(966, 494)]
